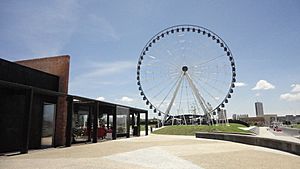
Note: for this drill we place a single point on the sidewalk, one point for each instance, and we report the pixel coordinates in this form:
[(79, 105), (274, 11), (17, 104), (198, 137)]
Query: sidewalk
[(156, 152), (269, 133)]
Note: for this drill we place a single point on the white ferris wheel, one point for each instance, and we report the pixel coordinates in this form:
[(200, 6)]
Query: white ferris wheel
[(186, 70)]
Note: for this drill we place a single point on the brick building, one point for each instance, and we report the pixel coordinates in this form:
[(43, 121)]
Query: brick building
[(58, 66), (37, 111)]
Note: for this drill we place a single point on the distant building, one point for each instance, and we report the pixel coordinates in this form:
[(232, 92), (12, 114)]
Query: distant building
[(238, 116), (297, 119), (265, 120), (222, 114), (242, 116), (254, 121), (234, 117), (270, 119), (259, 109), (290, 118), (281, 118)]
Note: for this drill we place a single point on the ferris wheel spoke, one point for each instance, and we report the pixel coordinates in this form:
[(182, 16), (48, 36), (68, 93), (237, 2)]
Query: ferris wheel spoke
[(180, 45), (195, 101), (168, 52), (153, 55), (180, 100), (159, 84), (211, 75), (215, 80), (169, 92), (211, 86), (211, 95), (164, 88), (221, 81), (149, 75), (210, 60), (183, 48)]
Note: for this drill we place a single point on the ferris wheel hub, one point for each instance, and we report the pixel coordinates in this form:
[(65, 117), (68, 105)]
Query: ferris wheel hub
[(184, 68)]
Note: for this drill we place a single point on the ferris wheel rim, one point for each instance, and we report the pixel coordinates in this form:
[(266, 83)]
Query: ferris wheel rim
[(201, 30)]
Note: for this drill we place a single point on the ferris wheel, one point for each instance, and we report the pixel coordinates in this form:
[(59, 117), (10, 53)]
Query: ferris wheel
[(186, 69)]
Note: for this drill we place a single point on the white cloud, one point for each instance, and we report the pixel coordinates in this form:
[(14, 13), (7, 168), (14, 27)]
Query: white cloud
[(293, 95), (104, 73), (96, 26), (101, 25), (109, 68), (263, 85), (240, 84), (100, 98), (296, 88), (290, 96), (126, 99)]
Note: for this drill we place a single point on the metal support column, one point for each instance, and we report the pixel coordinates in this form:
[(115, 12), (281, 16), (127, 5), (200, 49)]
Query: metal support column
[(132, 120), (89, 124), (146, 123), (133, 123), (70, 110), (95, 122), (27, 120), (138, 124), (107, 121), (128, 124), (114, 132)]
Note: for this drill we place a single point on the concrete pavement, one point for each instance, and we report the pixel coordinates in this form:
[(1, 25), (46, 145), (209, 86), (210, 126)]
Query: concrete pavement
[(155, 151), (269, 133)]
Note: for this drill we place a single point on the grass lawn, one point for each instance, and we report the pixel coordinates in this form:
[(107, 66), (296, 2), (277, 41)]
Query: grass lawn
[(192, 129), (143, 127), (296, 126)]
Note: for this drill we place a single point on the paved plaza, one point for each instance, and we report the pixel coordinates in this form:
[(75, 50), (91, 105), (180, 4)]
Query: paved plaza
[(156, 152), (270, 133)]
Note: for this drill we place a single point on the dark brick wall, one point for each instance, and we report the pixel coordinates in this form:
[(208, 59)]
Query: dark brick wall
[(58, 66), (16, 73), (12, 111)]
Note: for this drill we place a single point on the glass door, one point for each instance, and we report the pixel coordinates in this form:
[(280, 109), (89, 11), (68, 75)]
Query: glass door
[(82, 126), (48, 124)]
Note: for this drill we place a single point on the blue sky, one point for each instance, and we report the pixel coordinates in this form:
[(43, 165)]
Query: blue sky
[(105, 38)]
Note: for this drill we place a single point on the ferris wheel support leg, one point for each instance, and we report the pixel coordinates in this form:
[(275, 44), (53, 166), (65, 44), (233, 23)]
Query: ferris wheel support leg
[(184, 119), (172, 120), (217, 121), (172, 101), (199, 98)]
